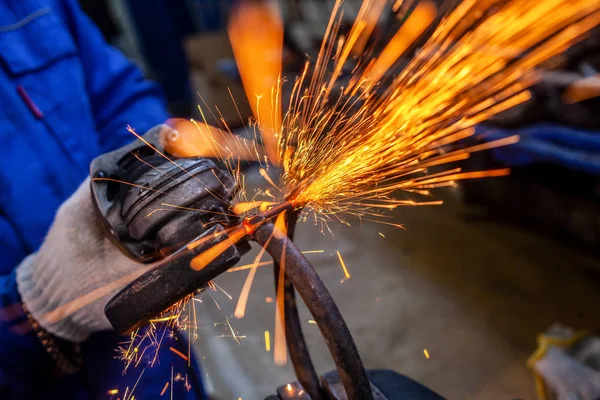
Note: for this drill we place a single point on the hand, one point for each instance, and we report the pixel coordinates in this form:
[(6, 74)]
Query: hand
[(66, 284)]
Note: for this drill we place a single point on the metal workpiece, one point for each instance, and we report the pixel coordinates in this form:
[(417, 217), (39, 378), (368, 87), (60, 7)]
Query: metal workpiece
[(298, 350), (323, 309), (170, 281)]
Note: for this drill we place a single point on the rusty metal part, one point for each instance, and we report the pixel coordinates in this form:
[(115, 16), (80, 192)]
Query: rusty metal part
[(301, 361), (323, 309), (168, 282)]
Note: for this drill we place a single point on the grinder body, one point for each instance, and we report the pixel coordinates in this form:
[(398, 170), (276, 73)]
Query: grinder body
[(152, 206)]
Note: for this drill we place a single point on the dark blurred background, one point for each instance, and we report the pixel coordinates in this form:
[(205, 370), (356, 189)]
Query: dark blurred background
[(473, 281)]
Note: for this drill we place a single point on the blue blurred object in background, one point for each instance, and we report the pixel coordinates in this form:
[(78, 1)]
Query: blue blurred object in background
[(209, 15), (161, 26), (571, 148)]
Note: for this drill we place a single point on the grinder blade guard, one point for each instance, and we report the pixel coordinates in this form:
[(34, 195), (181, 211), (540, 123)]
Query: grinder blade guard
[(152, 205)]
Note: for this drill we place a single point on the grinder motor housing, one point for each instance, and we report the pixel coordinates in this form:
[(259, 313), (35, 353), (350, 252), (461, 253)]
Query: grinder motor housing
[(152, 206)]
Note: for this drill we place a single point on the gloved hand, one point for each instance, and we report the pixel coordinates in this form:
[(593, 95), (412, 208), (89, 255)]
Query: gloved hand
[(66, 284), (568, 364)]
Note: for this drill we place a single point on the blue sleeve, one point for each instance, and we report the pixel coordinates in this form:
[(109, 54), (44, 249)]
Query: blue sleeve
[(119, 94), (22, 357)]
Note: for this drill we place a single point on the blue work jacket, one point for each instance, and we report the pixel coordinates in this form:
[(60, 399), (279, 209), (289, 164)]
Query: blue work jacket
[(65, 97)]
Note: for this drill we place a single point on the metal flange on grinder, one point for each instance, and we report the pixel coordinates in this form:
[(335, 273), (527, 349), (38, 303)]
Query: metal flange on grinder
[(166, 211)]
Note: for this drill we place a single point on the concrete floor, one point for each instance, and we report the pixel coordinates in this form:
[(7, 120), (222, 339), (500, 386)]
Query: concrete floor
[(472, 291)]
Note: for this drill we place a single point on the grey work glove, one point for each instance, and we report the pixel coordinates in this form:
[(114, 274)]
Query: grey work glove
[(66, 284)]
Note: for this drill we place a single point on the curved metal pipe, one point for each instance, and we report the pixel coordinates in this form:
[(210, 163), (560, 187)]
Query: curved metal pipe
[(301, 361), (323, 309)]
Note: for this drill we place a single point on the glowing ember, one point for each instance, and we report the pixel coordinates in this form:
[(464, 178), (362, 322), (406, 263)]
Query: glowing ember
[(180, 354), (164, 388), (267, 341), (343, 264)]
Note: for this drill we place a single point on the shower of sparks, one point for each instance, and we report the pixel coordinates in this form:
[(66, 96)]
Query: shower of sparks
[(384, 138), (352, 151)]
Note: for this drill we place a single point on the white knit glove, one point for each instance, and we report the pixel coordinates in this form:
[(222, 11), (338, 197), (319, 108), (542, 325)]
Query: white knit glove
[(66, 284), (571, 369), (567, 377)]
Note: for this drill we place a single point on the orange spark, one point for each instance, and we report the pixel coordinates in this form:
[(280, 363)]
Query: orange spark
[(280, 350), (415, 25), (180, 354), (256, 35), (582, 89), (369, 14), (189, 138), (209, 255), (268, 299), (240, 309), (113, 391), (249, 266), (426, 353), (267, 341), (244, 207), (346, 274), (265, 175), (164, 388)]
